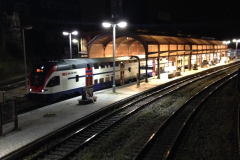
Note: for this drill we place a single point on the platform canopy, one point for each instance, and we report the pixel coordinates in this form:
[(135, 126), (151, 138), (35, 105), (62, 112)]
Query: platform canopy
[(128, 44)]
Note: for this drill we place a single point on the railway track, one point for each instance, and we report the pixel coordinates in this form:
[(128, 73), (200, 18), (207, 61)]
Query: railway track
[(26, 150), (12, 84), (104, 126), (160, 144)]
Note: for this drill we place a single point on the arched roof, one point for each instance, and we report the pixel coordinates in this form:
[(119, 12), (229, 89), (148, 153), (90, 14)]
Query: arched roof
[(127, 38), (152, 39)]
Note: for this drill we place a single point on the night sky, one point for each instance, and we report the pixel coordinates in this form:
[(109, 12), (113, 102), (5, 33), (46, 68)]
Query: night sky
[(205, 18), (220, 19)]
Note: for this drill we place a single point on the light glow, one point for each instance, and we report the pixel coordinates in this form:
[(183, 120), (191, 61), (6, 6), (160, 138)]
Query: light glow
[(75, 41), (39, 70), (226, 42), (75, 32), (236, 40), (122, 24), (106, 24), (65, 33)]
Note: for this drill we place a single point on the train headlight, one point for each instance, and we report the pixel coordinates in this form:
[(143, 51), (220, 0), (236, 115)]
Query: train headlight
[(44, 90), (30, 90)]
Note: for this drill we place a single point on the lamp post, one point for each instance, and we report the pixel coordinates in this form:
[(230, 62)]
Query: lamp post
[(122, 25), (226, 42), (138, 76), (76, 41), (22, 28), (236, 40), (70, 40)]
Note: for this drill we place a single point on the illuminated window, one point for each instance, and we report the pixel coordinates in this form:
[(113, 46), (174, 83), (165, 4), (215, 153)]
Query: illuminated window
[(101, 80), (107, 79), (96, 81)]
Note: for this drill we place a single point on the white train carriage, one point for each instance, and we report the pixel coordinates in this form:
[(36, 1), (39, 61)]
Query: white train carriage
[(53, 81)]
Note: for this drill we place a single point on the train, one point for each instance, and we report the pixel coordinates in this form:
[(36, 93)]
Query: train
[(57, 80)]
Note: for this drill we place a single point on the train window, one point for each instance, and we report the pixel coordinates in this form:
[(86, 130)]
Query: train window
[(54, 81), (129, 69), (101, 80), (107, 64), (96, 66), (111, 64), (117, 78), (73, 66), (96, 81), (102, 65), (107, 79), (37, 79), (77, 78)]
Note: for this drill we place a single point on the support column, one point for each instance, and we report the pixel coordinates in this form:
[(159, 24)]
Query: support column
[(176, 60), (183, 64), (200, 60), (189, 62), (146, 74), (158, 61)]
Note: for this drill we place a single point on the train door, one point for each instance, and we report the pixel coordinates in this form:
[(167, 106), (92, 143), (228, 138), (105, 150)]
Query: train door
[(89, 76), (122, 78)]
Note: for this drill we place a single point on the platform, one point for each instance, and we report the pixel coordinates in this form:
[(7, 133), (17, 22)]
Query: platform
[(40, 122)]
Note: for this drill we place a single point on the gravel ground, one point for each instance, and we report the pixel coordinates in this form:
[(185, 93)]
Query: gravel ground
[(212, 134)]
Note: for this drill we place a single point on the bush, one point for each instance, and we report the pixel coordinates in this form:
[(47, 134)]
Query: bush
[(11, 68)]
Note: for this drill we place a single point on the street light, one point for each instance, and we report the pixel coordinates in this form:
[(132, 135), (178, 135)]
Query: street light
[(70, 40), (22, 28), (76, 41), (236, 40), (226, 42), (122, 25)]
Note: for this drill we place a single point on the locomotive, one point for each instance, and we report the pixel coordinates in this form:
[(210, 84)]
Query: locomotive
[(57, 80)]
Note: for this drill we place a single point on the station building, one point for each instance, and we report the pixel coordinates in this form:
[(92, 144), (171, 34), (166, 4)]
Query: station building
[(178, 53)]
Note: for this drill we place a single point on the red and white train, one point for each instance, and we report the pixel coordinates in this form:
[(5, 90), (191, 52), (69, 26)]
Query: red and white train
[(57, 80)]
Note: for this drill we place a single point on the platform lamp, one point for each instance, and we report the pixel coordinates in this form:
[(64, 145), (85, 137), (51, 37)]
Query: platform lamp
[(70, 40), (22, 28), (226, 42), (76, 41), (236, 40), (107, 25)]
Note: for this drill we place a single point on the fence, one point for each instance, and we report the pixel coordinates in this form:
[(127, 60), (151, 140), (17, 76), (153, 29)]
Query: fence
[(8, 114)]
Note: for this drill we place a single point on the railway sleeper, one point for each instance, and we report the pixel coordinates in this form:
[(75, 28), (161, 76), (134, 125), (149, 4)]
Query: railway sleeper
[(67, 146), (57, 153), (62, 149), (86, 135), (78, 139), (73, 143), (52, 157)]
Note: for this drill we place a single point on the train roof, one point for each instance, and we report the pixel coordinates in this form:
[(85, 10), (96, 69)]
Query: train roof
[(94, 60), (65, 64)]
